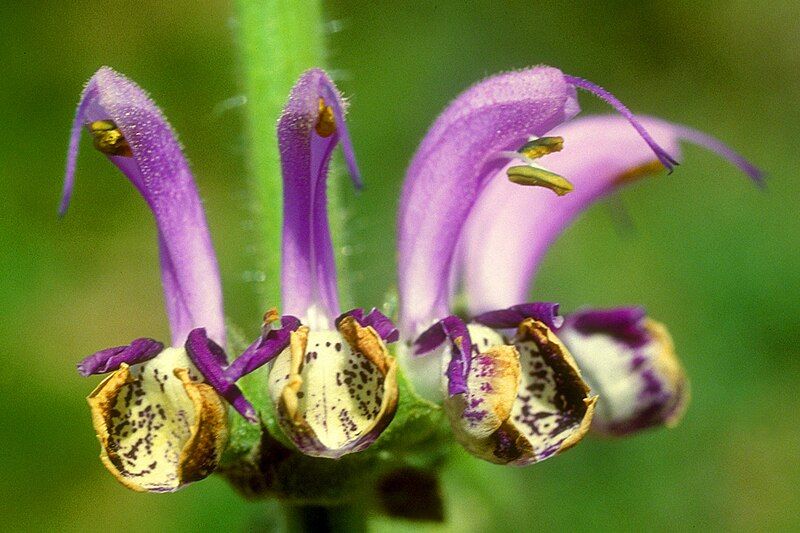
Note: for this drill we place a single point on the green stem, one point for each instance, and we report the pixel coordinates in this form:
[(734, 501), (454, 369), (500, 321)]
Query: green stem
[(278, 41)]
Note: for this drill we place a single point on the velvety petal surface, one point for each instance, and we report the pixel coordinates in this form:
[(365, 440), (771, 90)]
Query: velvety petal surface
[(511, 227), (211, 361), (452, 164), (629, 360), (512, 317), (271, 342), (311, 126), (335, 390), (160, 427), (136, 137)]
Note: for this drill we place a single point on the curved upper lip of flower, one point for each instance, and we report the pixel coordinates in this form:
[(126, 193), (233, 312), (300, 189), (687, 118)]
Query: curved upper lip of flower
[(160, 172), (310, 127), (154, 163), (460, 217), (510, 229)]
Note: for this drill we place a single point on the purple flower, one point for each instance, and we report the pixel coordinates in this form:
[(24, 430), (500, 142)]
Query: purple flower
[(466, 222), (497, 266), (335, 388), (478, 212), (160, 416)]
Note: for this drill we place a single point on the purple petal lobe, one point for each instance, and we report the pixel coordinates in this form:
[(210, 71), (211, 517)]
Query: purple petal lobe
[(110, 359), (209, 359), (512, 317), (311, 126), (375, 319), (630, 361), (625, 324), (454, 329), (159, 171), (598, 91), (511, 228), (459, 154), (264, 350)]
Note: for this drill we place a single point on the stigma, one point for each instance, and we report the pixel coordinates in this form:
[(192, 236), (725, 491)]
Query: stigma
[(533, 176), (107, 138), (326, 122)]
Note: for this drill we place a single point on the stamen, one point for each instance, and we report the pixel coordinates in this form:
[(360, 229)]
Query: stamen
[(623, 110), (107, 138), (326, 122), (536, 148), (644, 170), (271, 316), (539, 177)]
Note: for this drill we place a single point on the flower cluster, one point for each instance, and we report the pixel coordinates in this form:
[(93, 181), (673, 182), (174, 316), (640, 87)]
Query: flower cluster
[(518, 382)]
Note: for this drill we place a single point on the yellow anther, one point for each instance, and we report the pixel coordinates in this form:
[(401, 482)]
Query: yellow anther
[(271, 316), (638, 172), (539, 177), (107, 138), (542, 146), (326, 122)]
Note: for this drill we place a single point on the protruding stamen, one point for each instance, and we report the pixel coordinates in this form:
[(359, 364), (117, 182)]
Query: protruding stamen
[(107, 138), (271, 316), (644, 170), (326, 122), (542, 146), (539, 177)]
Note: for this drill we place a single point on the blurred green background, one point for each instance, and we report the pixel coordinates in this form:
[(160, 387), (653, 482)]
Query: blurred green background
[(708, 254)]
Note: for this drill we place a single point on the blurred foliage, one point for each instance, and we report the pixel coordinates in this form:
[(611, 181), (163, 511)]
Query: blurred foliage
[(706, 253)]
